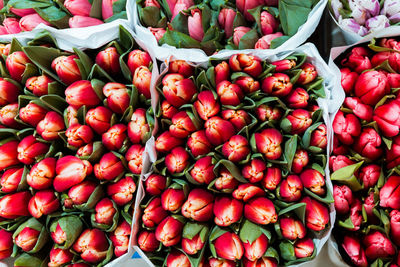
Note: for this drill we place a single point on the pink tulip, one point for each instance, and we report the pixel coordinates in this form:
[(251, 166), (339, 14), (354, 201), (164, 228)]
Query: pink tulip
[(81, 21), (268, 23), (12, 25), (265, 41), (238, 33), (195, 26), (226, 18), (78, 7), (29, 22)]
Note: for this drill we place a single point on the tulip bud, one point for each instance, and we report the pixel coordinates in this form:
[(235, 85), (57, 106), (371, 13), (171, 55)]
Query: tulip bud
[(317, 214), (314, 181), (277, 85), (78, 7), (202, 171), (177, 258), (71, 116), (304, 248), (142, 79), (246, 63), (300, 161), (67, 69), (338, 162), (354, 250), (254, 171), (8, 114), (27, 238), (147, 241), (81, 93), (266, 41), (137, 58), (268, 23), (369, 206), (221, 71), (192, 246), (134, 156), (115, 138), (218, 130), (387, 119), (291, 188), (6, 244), (207, 105), (39, 84), (195, 26), (11, 179), (79, 135), (178, 90), (199, 205), (343, 197), (226, 181), (154, 213), (8, 154), (358, 62), (369, 175), (297, 122), (10, 210), (308, 74), (272, 178), (260, 210), (8, 93), (292, 229), (348, 80), (122, 191), (169, 231), (59, 257), (346, 127), (227, 211), (181, 67), (166, 142), (246, 192), (16, 64), (177, 160), (104, 212), (269, 113), (92, 245), (168, 111), (284, 64), (229, 246), (356, 216), (371, 86), (363, 111), (238, 33), (229, 93), (319, 137), (254, 251), (182, 125), (338, 147), (155, 184), (236, 149), (172, 199), (238, 118), (99, 119), (109, 167), (213, 262), (108, 60), (29, 149), (29, 22), (198, 143), (118, 97), (390, 193), (11, 26), (377, 245), (50, 126), (43, 203), (70, 171), (226, 18), (395, 226), (82, 21), (80, 194), (368, 144), (298, 98), (393, 80), (248, 84), (269, 142)]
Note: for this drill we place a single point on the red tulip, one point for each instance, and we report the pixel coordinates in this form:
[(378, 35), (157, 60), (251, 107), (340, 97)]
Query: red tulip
[(169, 231), (218, 130), (11, 179), (268, 113), (356, 214), (238, 33), (118, 97), (368, 144), (67, 69), (369, 175), (202, 171), (27, 239), (245, 5), (254, 251), (8, 154), (155, 184), (226, 18), (6, 244), (8, 92), (260, 210), (109, 167), (154, 213), (59, 257), (265, 41), (199, 144), (15, 205), (122, 191), (20, 11), (254, 171), (11, 26), (181, 67), (142, 79), (292, 229), (291, 188), (377, 245), (238, 118), (29, 149), (269, 142), (363, 111), (43, 203), (354, 250), (134, 156), (284, 64), (115, 137), (390, 56), (71, 116), (371, 86), (79, 135), (138, 58), (343, 197), (236, 149), (369, 206), (346, 128), (166, 142), (393, 80), (108, 60), (229, 93), (268, 23), (298, 98), (228, 246), (147, 241), (192, 246), (82, 21), (207, 105), (246, 63), (227, 211), (39, 84), (104, 212), (272, 178), (177, 160), (358, 62), (389, 195), (172, 199), (168, 111), (308, 74), (182, 125), (138, 128), (387, 119), (92, 245), (16, 64), (213, 262), (348, 80), (393, 154), (225, 181), (338, 147), (300, 161), (248, 84), (314, 181), (8, 114), (80, 193), (304, 248), (178, 90), (221, 71), (85, 151), (317, 214), (81, 93), (338, 162), (319, 137), (177, 258), (277, 85), (199, 205), (70, 171), (99, 119), (395, 226), (262, 262), (245, 192), (297, 122)]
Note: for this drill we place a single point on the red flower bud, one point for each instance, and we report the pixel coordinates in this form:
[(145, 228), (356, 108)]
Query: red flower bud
[(314, 181), (317, 214), (248, 84), (213, 262), (229, 93), (109, 167), (138, 128), (369, 175), (50, 126), (9, 154), (319, 137), (368, 144), (346, 127), (238, 118), (6, 244), (15, 205), (395, 226), (354, 250), (122, 191), (177, 160), (298, 98), (245, 192), (268, 23), (166, 142), (304, 248), (181, 67), (297, 122), (168, 111), (226, 181), (377, 245), (348, 80), (108, 60), (218, 130), (59, 257), (104, 212), (7, 116), (154, 213), (228, 246), (138, 58), (182, 125), (115, 137), (192, 246), (236, 149), (369, 206), (356, 214), (172, 199), (71, 116), (277, 85), (92, 245), (357, 62), (254, 171), (221, 72), (387, 118), (272, 178), (227, 211), (308, 74), (155, 184), (39, 85), (81, 93), (389, 195), (238, 33), (260, 210), (363, 111), (371, 86), (43, 203), (29, 149), (207, 105), (199, 144), (390, 56), (169, 231), (268, 113), (16, 64), (300, 161), (292, 229), (67, 69), (142, 80), (8, 92), (134, 156), (338, 162), (10, 180), (178, 90), (343, 197), (42, 173), (147, 241), (284, 64), (118, 97), (393, 80), (291, 188), (177, 258), (199, 205), (27, 239), (80, 193), (70, 171), (246, 63), (79, 135), (99, 119), (254, 251), (393, 154), (202, 171), (85, 151), (269, 142)]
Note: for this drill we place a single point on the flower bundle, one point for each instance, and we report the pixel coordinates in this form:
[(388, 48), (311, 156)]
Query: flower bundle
[(73, 129), (20, 16), (366, 155), (240, 177), (365, 16), (216, 25)]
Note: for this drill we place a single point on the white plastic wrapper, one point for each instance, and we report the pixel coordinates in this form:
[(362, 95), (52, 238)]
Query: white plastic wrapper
[(136, 257), (197, 55), (337, 99), (82, 38)]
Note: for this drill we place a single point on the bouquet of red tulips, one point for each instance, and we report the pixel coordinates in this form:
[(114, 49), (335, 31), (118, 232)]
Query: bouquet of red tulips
[(73, 129), (240, 177), (365, 160), (216, 25)]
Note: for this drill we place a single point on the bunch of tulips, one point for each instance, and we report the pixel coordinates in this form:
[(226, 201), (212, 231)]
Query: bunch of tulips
[(20, 16), (366, 155), (213, 25), (73, 129), (240, 176)]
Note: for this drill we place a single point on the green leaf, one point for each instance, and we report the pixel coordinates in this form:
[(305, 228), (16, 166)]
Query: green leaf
[(54, 16), (249, 40), (22, 4), (277, 42), (232, 168), (71, 225), (30, 260), (249, 232), (150, 16), (287, 251), (95, 11), (346, 176), (179, 40), (292, 15), (299, 209), (290, 150)]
